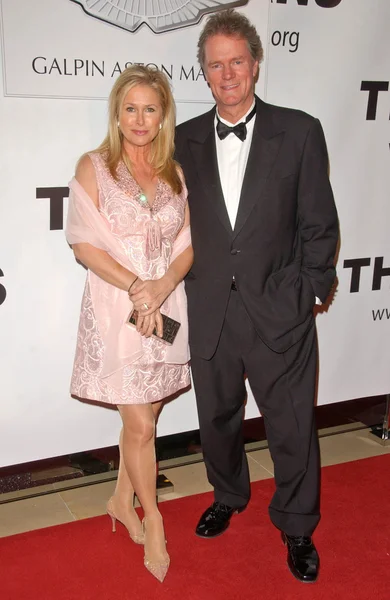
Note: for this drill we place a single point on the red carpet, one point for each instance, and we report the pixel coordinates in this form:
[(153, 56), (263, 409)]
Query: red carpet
[(85, 561)]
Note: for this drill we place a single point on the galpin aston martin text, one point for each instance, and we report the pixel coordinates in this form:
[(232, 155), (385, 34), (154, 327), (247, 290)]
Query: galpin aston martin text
[(43, 65)]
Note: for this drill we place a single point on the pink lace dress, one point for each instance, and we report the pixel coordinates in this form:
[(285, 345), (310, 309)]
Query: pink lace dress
[(146, 236)]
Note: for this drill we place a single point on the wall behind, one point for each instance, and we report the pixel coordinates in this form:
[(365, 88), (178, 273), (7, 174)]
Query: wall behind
[(59, 64), (59, 61)]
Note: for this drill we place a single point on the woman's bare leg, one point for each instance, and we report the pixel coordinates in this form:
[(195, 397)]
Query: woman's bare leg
[(156, 406), (140, 462), (122, 503)]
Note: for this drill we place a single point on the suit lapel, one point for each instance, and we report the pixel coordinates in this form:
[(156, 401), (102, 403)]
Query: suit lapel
[(204, 152), (264, 150)]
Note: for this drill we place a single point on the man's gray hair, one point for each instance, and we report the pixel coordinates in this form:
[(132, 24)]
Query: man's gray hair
[(231, 23)]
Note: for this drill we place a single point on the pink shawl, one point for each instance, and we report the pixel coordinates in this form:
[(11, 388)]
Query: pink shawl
[(112, 306)]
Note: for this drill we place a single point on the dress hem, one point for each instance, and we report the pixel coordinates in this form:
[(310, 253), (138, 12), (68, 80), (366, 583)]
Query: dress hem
[(83, 398)]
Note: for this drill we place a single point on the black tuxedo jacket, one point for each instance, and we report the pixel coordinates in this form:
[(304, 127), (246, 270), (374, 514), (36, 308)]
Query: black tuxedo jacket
[(282, 248)]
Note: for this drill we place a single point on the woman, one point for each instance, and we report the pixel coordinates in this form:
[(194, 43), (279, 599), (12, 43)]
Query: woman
[(128, 223)]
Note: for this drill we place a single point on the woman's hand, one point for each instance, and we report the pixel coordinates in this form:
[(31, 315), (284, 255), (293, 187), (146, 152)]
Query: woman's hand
[(148, 296), (146, 325)]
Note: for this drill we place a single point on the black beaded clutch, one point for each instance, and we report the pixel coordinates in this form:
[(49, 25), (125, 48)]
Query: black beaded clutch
[(170, 327)]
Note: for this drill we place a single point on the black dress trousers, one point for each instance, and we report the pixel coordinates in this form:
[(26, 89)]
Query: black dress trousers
[(283, 386)]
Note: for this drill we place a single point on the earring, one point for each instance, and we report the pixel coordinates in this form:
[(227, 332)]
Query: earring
[(160, 125), (118, 124)]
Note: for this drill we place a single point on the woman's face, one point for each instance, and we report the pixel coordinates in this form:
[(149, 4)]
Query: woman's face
[(140, 115)]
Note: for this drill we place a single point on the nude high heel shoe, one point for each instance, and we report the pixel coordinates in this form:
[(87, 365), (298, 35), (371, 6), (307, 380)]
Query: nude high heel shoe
[(157, 568), (138, 538)]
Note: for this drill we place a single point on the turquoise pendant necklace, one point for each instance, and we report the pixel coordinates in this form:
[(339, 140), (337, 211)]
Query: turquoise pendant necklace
[(143, 198)]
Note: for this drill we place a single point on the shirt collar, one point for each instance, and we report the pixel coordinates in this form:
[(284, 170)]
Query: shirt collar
[(242, 118)]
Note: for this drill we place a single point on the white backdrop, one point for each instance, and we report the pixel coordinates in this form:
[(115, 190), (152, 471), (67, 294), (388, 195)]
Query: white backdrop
[(58, 65), (338, 49)]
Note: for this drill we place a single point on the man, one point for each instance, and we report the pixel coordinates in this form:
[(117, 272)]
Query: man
[(264, 232)]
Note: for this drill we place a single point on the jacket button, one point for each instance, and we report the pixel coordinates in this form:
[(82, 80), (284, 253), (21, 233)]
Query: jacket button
[(234, 251)]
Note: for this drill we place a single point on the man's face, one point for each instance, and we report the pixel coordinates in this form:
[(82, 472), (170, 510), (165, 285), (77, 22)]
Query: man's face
[(230, 72)]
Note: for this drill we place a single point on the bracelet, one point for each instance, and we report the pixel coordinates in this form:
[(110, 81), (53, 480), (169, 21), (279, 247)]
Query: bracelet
[(131, 285)]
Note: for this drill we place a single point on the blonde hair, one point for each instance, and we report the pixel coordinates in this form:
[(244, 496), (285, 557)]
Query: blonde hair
[(162, 147)]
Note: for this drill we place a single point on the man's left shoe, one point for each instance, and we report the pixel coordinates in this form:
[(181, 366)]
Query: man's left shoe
[(302, 558)]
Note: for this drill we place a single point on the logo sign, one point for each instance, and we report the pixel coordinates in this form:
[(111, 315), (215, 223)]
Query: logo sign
[(159, 16), (59, 51)]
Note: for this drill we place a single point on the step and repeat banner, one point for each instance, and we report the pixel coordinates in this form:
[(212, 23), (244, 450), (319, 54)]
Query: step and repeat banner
[(60, 59), (331, 58)]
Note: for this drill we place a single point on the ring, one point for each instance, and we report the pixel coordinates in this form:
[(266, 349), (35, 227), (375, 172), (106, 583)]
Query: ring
[(146, 306)]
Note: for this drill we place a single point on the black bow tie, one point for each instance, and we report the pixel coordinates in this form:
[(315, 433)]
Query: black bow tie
[(239, 130)]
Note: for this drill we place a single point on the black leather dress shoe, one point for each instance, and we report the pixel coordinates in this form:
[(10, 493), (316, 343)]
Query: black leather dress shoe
[(302, 558), (215, 520)]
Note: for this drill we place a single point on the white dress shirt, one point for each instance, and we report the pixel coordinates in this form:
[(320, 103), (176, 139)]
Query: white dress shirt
[(232, 157)]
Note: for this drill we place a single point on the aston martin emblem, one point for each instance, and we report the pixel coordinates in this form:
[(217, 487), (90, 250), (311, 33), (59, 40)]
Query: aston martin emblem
[(159, 15)]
